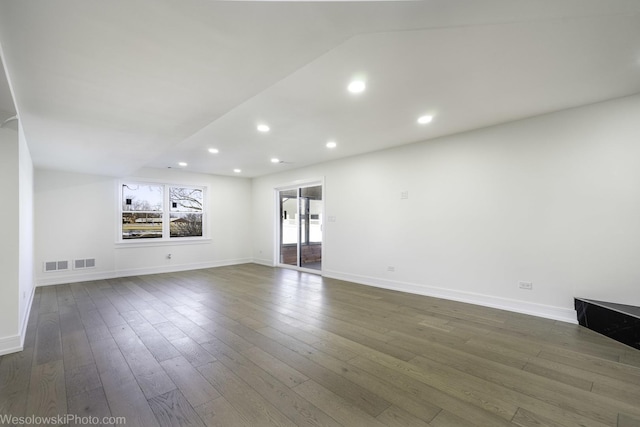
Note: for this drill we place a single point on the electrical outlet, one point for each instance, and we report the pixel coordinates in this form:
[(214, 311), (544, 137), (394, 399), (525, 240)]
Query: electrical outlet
[(404, 195), (168, 256), (525, 285), (391, 268)]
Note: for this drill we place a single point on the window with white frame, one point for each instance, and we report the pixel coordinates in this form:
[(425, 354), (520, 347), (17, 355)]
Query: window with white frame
[(161, 211)]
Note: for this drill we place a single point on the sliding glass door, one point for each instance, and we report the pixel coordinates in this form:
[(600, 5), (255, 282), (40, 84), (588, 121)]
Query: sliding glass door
[(300, 227)]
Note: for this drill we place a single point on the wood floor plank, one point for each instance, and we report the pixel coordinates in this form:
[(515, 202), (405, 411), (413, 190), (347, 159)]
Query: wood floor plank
[(335, 406), (15, 370), (631, 357), (172, 409), (250, 404), (397, 417), (447, 419), (14, 402), (47, 394), (65, 297), (111, 316), (275, 367), (192, 351), (152, 378), (76, 349), (15, 377), (98, 334), (250, 345), (625, 420), (226, 336), (191, 329), (70, 321), (121, 389), (152, 315), (424, 399), (91, 319), (339, 367), (191, 383), (90, 403), (277, 393), (621, 392), (48, 345), (220, 413), (361, 397), (525, 418), (81, 379), (157, 344), (170, 331), (501, 386), (618, 371), (48, 300), (32, 329), (559, 375)]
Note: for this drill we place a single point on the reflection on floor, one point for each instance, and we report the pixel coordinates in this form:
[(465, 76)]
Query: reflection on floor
[(313, 265)]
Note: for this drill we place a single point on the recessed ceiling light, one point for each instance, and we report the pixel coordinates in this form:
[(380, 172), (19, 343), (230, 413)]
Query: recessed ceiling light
[(237, 170), (183, 164), (356, 86), (423, 120), (275, 160), (214, 150), (263, 128), (331, 144)]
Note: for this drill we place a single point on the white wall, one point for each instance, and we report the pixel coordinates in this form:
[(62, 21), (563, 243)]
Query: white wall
[(16, 239), (554, 200), (25, 231), (9, 236), (76, 218)]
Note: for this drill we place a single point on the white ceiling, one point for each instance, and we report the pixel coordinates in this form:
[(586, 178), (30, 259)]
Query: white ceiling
[(110, 87)]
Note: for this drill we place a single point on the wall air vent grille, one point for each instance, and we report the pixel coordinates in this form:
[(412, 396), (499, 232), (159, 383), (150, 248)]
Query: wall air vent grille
[(56, 266), (81, 264)]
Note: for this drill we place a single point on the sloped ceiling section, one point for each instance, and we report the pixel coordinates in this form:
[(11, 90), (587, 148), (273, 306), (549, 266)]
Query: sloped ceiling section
[(7, 108), (110, 87)]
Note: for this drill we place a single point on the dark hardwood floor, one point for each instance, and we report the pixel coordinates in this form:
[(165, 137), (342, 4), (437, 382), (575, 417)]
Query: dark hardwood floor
[(250, 345)]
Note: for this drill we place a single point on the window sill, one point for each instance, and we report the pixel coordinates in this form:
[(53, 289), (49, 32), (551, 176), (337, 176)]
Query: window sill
[(158, 243)]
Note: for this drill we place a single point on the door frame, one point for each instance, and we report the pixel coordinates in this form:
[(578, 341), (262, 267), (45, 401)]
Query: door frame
[(278, 223)]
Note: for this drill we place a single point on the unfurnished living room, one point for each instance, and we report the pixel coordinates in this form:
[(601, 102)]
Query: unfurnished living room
[(329, 213)]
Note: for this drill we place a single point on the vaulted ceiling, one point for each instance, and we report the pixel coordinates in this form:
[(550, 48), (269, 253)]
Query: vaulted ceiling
[(108, 87)]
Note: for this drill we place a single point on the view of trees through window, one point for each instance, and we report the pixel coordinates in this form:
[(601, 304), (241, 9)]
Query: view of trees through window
[(144, 212), (186, 211)]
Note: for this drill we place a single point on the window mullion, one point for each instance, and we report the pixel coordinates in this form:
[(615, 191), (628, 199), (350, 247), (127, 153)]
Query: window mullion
[(166, 215)]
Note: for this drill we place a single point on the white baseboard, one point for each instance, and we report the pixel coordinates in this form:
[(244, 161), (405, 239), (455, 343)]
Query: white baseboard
[(101, 275), (524, 307), (11, 344), (265, 262), (27, 314), (14, 343)]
